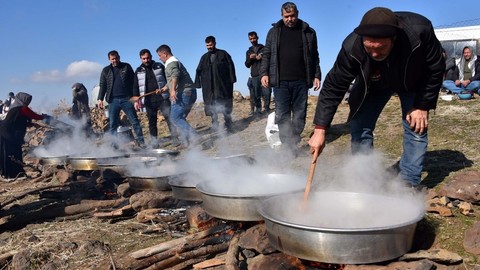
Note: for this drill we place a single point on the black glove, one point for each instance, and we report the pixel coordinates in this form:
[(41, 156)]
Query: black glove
[(47, 118)]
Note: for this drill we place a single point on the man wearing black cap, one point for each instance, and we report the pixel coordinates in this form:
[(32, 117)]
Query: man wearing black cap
[(389, 52)]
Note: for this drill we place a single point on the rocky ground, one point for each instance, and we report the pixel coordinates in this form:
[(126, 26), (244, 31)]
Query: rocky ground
[(447, 238)]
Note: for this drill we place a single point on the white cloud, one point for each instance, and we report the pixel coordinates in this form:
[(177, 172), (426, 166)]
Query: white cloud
[(83, 69), (47, 76), (79, 69)]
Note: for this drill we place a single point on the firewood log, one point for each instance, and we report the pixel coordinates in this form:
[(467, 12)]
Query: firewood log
[(173, 243), (179, 258)]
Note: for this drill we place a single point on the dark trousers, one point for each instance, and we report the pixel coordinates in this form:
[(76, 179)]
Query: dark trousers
[(291, 110), (152, 116), (259, 93)]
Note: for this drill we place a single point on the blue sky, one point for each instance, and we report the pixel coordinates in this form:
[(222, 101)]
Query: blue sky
[(48, 45)]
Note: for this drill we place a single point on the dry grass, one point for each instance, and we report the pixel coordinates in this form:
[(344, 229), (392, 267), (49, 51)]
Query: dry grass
[(74, 244)]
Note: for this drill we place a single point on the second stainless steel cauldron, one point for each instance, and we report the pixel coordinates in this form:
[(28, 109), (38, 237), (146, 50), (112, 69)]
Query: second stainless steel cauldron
[(238, 199), (154, 178)]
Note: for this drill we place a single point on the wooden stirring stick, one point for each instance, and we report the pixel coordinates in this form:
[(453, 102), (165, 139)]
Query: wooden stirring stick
[(135, 99), (309, 182)]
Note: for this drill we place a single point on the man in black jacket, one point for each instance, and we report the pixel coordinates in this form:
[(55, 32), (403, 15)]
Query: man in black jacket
[(387, 53), (215, 74), (291, 66), (150, 77), (116, 87), (257, 92)]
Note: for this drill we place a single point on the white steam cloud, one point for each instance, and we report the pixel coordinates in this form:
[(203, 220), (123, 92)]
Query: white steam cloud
[(82, 69)]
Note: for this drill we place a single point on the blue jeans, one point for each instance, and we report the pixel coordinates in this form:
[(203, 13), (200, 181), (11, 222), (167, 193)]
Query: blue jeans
[(189, 97), (414, 144), (473, 86), (114, 107), (290, 110), (178, 115)]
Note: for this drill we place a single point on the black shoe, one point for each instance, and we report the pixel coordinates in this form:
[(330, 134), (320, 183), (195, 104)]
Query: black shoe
[(394, 169)]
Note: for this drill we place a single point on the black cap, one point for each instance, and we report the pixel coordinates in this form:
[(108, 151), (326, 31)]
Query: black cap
[(378, 22)]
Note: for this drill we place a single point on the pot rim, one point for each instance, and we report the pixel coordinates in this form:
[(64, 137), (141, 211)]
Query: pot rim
[(202, 187), (268, 217)]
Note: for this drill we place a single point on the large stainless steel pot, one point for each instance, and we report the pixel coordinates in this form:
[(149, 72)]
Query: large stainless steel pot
[(154, 178), (154, 153), (53, 160), (342, 227), (185, 189), (88, 163), (234, 199)]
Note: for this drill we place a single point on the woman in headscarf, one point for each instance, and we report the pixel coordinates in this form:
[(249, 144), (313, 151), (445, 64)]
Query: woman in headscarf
[(12, 133)]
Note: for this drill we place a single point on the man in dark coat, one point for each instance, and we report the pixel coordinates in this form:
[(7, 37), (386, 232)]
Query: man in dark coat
[(389, 52), (216, 76)]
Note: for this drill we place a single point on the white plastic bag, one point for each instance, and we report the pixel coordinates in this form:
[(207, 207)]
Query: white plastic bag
[(271, 131)]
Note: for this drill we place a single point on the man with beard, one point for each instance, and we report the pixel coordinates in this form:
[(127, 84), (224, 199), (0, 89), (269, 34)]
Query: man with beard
[(150, 77), (215, 74), (116, 87), (466, 76), (291, 66), (257, 92), (389, 52)]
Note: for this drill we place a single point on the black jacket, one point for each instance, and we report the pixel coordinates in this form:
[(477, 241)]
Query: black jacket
[(270, 61), (253, 63), (421, 63), (106, 81), (451, 70)]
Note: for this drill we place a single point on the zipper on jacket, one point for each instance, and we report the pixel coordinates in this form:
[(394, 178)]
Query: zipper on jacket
[(365, 85)]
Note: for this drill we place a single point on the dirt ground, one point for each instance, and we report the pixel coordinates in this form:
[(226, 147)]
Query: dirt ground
[(85, 242)]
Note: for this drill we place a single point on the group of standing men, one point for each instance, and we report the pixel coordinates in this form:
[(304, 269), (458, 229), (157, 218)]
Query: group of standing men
[(389, 52), (167, 87)]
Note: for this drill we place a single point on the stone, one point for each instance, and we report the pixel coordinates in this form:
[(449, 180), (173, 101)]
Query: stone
[(466, 208), (197, 217), (437, 255), (62, 176), (274, 261), (255, 238), (471, 242), (123, 190), (464, 186), (415, 265), (441, 210)]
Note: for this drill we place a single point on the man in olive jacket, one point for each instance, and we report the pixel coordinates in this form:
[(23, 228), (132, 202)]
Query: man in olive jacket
[(387, 53)]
